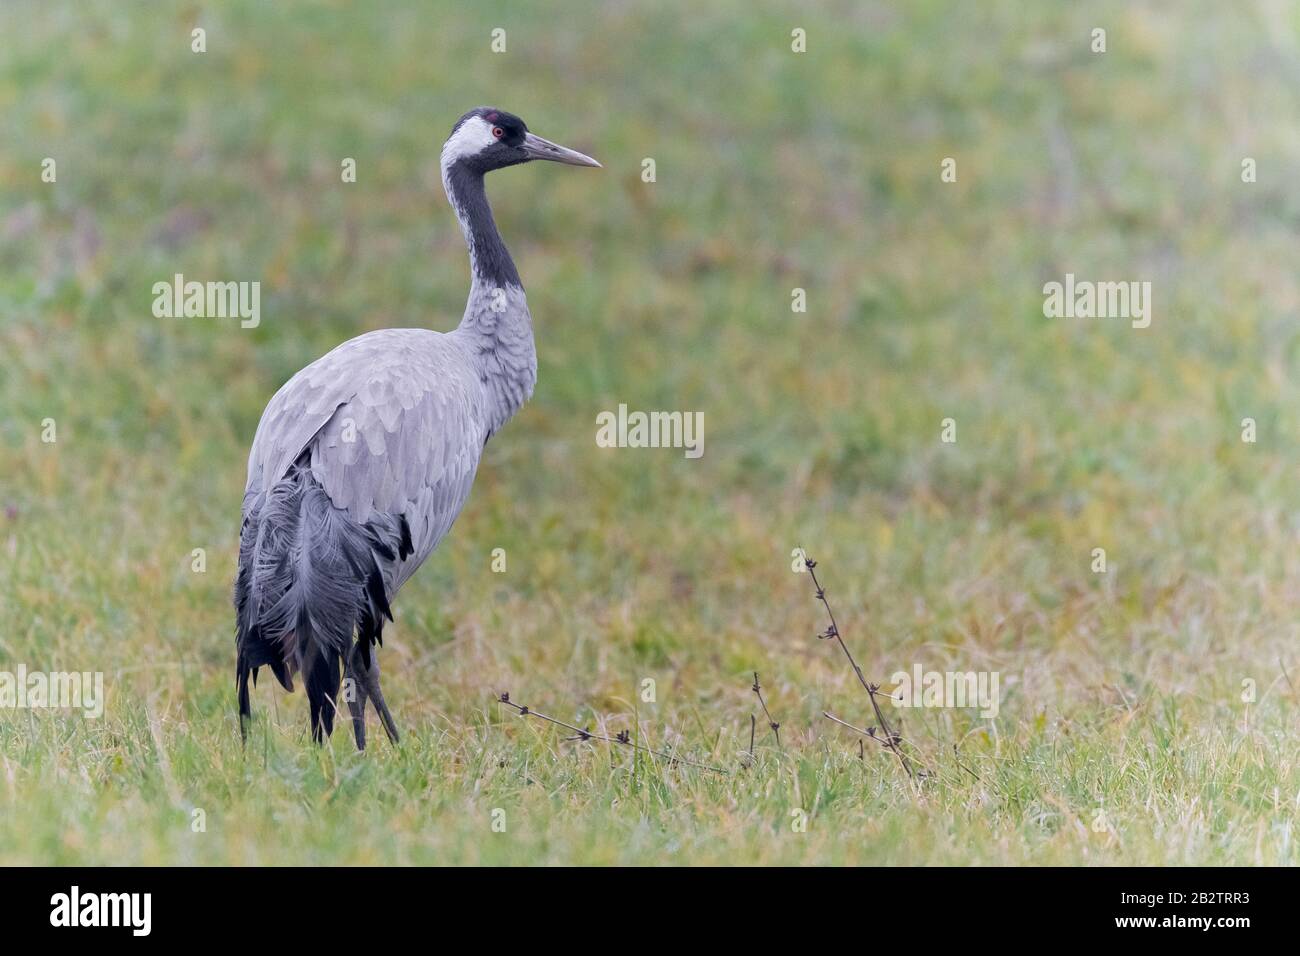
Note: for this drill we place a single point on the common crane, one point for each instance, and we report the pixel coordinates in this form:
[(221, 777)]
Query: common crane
[(364, 458)]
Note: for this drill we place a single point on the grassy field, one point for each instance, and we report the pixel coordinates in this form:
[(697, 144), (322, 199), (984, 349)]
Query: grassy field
[(1123, 735)]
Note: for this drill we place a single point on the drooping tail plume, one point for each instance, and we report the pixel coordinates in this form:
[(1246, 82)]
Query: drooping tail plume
[(309, 576)]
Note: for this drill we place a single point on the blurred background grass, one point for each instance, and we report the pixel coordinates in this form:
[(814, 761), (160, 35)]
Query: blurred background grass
[(775, 170)]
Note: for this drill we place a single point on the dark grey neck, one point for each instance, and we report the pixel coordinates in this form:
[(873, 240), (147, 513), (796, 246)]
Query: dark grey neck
[(496, 330), (489, 259)]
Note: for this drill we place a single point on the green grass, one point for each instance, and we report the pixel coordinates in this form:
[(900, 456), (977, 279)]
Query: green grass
[(1120, 692)]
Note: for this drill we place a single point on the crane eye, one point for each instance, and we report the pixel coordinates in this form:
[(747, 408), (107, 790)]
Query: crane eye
[(498, 132)]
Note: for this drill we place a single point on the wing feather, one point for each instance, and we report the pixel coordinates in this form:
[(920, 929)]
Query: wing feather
[(393, 425)]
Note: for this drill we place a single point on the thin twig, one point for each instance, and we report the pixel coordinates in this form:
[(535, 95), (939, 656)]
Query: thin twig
[(1287, 676), (868, 732), (581, 733), (776, 728), (956, 755), (891, 739), (872, 734)]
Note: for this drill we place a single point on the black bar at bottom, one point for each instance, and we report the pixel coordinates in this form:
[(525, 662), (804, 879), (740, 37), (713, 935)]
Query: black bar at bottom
[(894, 904)]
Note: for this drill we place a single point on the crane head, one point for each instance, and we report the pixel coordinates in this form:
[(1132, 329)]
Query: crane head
[(487, 138)]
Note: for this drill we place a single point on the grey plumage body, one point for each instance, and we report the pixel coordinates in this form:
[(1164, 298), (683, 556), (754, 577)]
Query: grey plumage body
[(363, 460), (394, 423)]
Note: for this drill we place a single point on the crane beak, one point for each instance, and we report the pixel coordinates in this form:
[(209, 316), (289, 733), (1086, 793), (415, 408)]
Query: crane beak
[(538, 148)]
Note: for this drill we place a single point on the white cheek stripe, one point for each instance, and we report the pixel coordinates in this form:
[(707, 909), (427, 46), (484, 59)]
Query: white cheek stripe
[(474, 135)]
